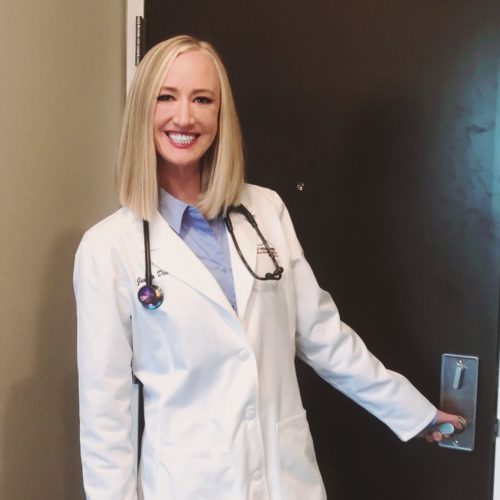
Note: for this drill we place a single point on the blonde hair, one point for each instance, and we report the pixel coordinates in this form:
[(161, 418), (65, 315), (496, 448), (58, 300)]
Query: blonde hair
[(222, 168)]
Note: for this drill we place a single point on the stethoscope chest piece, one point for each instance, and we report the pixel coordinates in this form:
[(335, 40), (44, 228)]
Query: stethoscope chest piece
[(150, 296)]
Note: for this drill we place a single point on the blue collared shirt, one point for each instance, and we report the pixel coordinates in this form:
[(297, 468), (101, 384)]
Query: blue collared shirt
[(206, 238)]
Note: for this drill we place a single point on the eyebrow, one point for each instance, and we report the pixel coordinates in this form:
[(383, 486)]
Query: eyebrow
[(195, 91)]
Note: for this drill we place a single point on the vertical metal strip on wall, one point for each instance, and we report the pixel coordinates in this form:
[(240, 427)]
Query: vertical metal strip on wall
[(135, 8), (140, 26)]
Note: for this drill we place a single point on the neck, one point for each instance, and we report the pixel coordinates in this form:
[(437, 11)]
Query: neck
[(181, 182)]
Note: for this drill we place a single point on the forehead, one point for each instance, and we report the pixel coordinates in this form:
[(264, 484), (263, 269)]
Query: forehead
[(193, 69)]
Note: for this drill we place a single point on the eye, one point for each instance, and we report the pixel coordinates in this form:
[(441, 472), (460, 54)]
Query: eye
[(165, 98), (203, 100)]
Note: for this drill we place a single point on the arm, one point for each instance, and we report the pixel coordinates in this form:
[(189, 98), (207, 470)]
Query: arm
[(340, 357), (105, 380)]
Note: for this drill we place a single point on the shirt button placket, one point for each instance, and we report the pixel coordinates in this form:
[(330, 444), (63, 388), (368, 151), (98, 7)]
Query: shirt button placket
[(257, 487)]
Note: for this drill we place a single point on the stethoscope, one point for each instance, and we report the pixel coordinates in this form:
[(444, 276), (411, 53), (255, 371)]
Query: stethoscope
[(151, 296)]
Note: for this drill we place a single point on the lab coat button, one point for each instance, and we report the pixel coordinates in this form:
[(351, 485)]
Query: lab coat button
[(250, 413), (257, 474), (244, 354)]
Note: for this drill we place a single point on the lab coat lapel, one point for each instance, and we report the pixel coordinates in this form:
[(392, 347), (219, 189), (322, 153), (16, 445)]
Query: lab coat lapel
[(247, 240), (169, 253)]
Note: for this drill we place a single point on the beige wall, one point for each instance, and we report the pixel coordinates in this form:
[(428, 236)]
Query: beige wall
[(62, 89)]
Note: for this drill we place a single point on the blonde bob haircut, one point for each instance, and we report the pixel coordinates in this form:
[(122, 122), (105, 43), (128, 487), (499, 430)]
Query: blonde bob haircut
[(222, 166)]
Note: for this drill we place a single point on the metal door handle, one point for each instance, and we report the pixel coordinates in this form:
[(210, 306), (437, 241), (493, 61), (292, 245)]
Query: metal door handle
[(448, 429), (459, 375)]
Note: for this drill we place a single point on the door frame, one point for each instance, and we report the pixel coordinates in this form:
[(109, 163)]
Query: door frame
[(496, 474), (136, 8), (496, 210)]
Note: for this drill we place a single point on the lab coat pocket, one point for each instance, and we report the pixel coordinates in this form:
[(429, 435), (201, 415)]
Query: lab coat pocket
[(300, 474), (201, 475)]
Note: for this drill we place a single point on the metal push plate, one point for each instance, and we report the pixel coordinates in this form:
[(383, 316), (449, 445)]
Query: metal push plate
[(459, 375)]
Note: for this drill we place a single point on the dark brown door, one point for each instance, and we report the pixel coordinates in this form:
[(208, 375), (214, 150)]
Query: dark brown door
[(384, 112)]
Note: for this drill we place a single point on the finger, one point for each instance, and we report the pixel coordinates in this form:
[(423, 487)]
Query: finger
[(437, 436), (428, 437)]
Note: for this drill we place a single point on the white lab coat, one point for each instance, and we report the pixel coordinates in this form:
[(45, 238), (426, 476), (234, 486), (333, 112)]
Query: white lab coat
[(224, 418)]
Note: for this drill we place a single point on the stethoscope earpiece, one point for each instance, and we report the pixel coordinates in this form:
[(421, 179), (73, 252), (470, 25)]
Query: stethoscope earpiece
[(150, 296), (275, 275)]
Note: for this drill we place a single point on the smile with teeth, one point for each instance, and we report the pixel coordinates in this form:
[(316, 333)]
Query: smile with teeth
[(181, 139)]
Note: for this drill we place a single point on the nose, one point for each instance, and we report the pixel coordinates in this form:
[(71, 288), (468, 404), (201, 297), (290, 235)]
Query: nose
[(184, 117)]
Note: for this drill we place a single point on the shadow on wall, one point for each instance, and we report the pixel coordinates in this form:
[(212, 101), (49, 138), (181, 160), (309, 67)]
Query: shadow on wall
[(40, 438)]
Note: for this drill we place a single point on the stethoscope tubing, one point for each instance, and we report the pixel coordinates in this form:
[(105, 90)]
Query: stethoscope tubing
[(278, 271), (151, 296), (147, 251)]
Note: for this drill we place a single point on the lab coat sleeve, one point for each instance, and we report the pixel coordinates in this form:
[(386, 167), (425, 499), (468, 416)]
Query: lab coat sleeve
[(341, 358), (104, 371)]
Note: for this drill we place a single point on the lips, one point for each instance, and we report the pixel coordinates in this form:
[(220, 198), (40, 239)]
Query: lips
[(181, 139)]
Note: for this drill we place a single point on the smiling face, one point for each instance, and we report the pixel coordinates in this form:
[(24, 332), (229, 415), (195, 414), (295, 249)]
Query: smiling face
[(186, 113)]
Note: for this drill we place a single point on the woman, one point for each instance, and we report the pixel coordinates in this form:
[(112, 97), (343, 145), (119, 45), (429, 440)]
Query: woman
[(212, 342)]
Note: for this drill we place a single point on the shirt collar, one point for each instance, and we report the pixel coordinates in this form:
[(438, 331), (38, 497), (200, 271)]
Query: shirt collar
[(172, 210)]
